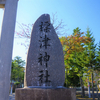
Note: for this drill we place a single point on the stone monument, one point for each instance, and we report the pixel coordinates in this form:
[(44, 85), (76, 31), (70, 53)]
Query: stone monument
[(45, 71), (45, 60), (6, 45)]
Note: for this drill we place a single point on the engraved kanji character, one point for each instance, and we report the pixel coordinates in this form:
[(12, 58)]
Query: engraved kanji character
[(45, 40), (40, 59), (46, 58), (47, 29), (41, 26), (44, 26), (41, 76), (47, 75)]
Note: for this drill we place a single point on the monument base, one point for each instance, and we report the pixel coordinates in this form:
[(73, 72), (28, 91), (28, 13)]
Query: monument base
[(45, 94)]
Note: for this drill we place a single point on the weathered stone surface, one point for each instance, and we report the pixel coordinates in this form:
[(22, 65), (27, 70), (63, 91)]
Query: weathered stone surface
[(2, 1), (45, 94), (44, 46)]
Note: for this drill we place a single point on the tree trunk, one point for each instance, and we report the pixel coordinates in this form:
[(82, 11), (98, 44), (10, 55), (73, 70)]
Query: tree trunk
[(97, 91), (82, 87), (66, 79), (92, 87), (89, 89)]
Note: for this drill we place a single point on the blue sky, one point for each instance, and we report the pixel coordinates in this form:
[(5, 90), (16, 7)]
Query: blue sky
[(74, 13)]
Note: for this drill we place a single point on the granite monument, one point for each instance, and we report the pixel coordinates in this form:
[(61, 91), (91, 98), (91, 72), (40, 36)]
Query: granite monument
[(45, 60), (45, 71)]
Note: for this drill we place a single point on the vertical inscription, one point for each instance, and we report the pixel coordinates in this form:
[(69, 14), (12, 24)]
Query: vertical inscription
[(45, 57)]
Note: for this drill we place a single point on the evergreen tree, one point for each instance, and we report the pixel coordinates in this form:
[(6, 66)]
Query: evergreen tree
[(90, 48)]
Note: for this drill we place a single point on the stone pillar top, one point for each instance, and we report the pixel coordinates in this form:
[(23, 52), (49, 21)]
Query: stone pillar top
[(2, 3)]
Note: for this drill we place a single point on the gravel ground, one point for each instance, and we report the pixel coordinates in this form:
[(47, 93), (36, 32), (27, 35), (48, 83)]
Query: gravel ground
[(12, 97)]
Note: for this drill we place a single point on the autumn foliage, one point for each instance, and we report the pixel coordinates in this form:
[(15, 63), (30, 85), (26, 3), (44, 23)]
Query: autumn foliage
[(74, 43)]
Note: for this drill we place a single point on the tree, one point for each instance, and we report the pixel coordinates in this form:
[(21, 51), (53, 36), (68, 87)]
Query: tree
[(74, 42), (72, 79), (98, 56), (74, 57), (17, 69), (91, 62), (97, 70), (14, 71)]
